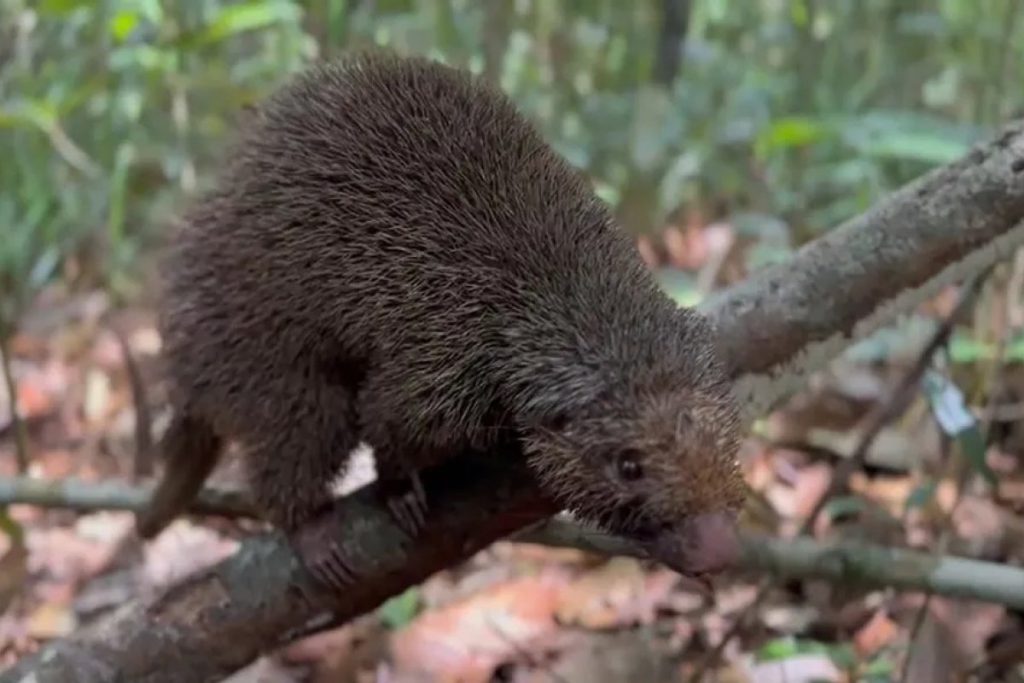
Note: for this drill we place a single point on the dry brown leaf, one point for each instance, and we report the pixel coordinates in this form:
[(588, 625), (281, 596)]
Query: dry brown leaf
[(33, 399), (932, 657), (55, 463), (62, 556), (51, 620), (342, 654), (610, 658), (466, 641), (183, 548), (13, 571), (96, 404), (265, 670), (796, 502), (877, 633), (890, 493), (979, 526), (616, 594), (971, 624)]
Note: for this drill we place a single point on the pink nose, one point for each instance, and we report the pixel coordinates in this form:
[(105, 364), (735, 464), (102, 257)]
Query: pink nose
[(704, 544)]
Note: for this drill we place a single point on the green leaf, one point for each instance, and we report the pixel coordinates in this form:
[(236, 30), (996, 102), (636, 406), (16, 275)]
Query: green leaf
[(62, 7), (32, 112), (844, 506), (44, 267), (10, 527), (964, 349), (785, 648), (122, 24), (647, 135), (680, 286), (906, 145), (249, 16), (795, 131), (401, 609), (1015, 350), (844, 656), (950, 411), (920, 496), (118, 183)]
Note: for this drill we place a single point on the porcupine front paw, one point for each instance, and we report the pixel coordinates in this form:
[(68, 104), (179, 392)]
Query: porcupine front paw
[(325, 558), (406, 500)]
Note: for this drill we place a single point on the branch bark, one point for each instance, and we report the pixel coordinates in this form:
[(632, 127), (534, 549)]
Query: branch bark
[(944, 227), (778, 326)]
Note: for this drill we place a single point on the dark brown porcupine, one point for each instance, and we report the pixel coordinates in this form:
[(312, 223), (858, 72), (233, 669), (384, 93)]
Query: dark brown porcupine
[(393, 254)]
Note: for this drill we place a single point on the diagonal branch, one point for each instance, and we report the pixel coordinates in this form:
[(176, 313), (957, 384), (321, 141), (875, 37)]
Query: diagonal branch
[(776, 327)]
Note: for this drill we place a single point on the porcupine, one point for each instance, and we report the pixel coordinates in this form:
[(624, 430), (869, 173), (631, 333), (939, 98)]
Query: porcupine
[(393, 254)]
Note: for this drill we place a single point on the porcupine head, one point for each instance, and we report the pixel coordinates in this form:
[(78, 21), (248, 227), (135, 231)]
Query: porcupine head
[(649, 453)]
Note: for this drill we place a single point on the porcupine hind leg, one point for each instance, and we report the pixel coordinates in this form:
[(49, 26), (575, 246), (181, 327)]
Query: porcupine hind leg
[(299, 439)]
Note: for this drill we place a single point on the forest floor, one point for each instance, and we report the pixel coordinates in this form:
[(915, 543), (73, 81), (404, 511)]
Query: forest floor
[(520, 612)]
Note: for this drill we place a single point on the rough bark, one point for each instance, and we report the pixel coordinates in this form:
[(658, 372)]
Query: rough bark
[(941, 228), (776, 327)]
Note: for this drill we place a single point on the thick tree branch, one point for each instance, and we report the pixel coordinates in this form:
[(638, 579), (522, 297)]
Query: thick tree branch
[(946, 226), (776, 327)]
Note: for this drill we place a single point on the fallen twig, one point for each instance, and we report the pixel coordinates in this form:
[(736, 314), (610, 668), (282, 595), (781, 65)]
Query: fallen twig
[(17, 421)]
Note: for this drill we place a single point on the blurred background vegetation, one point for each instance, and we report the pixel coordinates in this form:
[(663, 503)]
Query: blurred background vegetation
[(784, 116)]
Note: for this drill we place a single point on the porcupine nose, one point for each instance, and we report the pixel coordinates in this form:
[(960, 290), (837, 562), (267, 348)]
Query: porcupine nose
[(702, 545)]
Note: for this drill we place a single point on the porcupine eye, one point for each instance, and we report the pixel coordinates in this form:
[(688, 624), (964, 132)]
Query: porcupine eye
[(629, 467)]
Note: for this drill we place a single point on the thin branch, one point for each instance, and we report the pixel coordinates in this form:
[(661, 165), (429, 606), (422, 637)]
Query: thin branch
[(17, 421), (668, 54), (777, 327), (896, 404), (143, 465), (74, 155), (841, 562), (83, 496)]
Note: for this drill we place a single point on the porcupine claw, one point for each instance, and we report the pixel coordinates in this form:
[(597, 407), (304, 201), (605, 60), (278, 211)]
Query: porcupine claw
[(322, 555), (409, 508)]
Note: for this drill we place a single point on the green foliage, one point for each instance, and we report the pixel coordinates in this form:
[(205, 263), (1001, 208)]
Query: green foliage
[(401, 609), (11, 528), (922, 495), (957, 422), (800, 113)]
